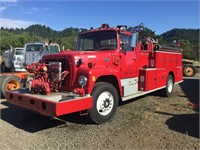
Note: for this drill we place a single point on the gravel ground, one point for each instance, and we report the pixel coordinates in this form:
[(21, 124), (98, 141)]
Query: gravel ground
[(148, 122)]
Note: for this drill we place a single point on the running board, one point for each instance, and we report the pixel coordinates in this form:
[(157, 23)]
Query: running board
[(141, 93)]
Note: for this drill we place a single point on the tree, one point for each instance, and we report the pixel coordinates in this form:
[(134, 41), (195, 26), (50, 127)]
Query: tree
[(7, 39), (185, 45)]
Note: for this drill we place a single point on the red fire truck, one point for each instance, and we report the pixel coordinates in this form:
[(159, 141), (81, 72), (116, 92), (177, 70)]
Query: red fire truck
[(108, 66)]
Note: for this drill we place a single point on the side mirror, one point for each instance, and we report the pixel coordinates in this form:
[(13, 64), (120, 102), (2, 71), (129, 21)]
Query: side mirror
[(49, 48), (134, 39)]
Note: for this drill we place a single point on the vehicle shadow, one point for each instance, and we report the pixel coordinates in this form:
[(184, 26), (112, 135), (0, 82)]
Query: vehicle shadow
[(184, 123), (32, 122), (187, 123), (190, 87)]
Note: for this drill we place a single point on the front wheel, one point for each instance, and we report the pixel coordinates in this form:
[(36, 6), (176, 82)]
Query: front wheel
[(105, 103), (167, 91)]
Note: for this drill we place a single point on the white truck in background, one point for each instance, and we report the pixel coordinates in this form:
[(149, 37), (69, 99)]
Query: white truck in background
[(12, 60), (32, 53), (35, 50)]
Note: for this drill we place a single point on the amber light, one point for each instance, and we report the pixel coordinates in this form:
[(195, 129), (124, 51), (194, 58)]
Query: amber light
[(45, 68), (105, 26), (91, 65), (93, 78)]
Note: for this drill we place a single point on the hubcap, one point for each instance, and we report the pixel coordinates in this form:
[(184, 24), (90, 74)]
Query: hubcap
[(13, 85), (170, 86), (189, 71), (105, 103)]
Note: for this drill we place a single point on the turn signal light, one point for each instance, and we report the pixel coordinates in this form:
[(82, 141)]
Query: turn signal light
[(91, 65)]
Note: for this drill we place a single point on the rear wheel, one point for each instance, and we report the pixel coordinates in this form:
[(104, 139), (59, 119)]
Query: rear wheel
[(11, 82), (167, 91), (105, 103), (189, 70), (1, 81)]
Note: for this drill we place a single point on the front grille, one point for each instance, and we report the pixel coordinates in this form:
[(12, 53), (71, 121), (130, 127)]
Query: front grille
[(32, 57)]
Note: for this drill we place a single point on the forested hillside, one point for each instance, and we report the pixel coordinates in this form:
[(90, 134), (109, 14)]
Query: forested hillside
[(18, 37), (188, 38)]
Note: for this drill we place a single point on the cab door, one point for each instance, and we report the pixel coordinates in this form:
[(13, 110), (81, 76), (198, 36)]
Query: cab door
[(128, 64), (128, 67), (128, 58)]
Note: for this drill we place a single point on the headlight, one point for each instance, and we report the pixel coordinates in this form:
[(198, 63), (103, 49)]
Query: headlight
[(78, 62), (82, 81)]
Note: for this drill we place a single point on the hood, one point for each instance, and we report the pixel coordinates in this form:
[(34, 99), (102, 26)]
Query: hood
[(80, 61), (98, 58)]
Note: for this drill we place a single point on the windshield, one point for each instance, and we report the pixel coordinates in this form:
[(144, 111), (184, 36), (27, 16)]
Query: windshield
[(19, 52), (34, 47), (101, 40), (54, 49)]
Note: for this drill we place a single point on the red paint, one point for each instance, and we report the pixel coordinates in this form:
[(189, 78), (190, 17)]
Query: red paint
[(150, 66), (48, 107)]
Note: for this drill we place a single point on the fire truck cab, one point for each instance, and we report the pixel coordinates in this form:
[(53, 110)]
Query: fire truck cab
[(109, 65)]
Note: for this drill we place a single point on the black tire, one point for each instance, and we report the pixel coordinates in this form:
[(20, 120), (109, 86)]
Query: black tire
[(105, 103), (189, 70), (167, 91), (11, 79), (3, 67), (1, 81)]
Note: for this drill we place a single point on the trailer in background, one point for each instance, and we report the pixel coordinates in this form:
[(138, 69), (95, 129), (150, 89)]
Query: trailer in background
[(13, 73), (190, 67)]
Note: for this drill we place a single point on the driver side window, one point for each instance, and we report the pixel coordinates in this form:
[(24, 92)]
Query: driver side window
[(144, 44), (125, 42)]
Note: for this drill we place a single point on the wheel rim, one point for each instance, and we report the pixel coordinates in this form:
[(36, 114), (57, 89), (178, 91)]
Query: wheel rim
[(105, 103), (13, 85), (170, 85), (189, 71)]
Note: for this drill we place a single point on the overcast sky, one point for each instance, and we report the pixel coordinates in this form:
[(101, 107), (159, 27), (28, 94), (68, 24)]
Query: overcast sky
[(159, 16)]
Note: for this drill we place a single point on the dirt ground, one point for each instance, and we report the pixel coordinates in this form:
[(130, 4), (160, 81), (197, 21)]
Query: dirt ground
[(149, 122)]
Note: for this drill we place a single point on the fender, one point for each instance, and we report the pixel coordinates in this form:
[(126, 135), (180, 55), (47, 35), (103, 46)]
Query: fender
[(97, 75)]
